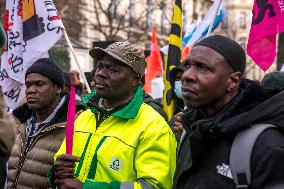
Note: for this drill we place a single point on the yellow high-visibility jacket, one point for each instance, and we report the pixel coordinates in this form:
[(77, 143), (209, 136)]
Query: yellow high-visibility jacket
[(131, 148)]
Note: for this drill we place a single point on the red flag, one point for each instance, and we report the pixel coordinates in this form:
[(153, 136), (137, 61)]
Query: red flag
[(154, 62), (267, 21), (70, 121)]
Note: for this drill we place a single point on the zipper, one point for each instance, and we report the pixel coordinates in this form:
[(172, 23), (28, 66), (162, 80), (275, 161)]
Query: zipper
[(100, 117)]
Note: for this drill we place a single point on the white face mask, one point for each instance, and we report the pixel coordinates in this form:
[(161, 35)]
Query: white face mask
[(178, 89)]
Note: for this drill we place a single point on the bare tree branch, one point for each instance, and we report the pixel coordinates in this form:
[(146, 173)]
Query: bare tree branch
[(115, 24)]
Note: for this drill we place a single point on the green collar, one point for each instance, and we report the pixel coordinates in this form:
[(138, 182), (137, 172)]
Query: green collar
[(129, 111)]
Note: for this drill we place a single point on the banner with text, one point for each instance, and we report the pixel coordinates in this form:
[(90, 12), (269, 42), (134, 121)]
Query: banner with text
[(32, 28)]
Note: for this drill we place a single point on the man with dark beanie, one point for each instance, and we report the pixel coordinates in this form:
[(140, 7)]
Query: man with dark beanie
[(222, 104), (40, 126)]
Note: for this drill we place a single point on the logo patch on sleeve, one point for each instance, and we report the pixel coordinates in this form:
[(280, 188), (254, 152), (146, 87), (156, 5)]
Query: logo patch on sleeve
[(224, 170), (115, 164)]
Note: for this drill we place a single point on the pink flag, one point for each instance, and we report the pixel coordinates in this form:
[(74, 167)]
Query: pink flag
[(70, 121), (267, 21)]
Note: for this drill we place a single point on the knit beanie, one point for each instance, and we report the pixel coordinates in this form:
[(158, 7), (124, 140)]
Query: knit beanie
[(229, 49), (47, 68)]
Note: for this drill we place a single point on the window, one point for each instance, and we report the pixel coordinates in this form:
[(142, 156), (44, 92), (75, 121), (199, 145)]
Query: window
[(149, 14), (115, 5), (184, 19), (224, 25), (243, 42), (130, 12), (243, 18), (163, 17)]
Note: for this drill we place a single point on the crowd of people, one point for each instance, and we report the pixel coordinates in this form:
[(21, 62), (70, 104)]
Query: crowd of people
[(124, 140)]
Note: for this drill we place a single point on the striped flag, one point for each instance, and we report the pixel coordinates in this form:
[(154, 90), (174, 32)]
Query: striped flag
[(198, 30), (174, 58)]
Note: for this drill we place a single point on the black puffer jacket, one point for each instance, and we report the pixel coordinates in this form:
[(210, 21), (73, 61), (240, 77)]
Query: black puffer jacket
[(203, 158)]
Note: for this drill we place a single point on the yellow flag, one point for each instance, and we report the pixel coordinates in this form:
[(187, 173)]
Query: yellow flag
[(173, 58)]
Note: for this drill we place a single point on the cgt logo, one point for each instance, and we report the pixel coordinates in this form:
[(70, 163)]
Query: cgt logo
[(115, 164), (263, 7)]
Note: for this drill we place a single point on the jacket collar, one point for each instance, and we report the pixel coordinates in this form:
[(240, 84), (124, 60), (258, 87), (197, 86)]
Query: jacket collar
[(23, 113), (125, 111), (238, 114)]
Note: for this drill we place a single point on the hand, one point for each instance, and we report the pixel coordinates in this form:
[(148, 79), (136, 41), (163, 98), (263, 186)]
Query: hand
[(65, 165), (68, 183), (178, 123)]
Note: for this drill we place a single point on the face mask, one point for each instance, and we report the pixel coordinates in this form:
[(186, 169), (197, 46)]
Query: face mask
[(178, 89)]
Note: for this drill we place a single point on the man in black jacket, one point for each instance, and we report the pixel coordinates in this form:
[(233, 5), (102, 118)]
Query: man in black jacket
[(222, 104)]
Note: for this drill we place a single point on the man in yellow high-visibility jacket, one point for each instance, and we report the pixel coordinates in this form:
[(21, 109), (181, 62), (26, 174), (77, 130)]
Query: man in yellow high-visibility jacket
[(119, 142)]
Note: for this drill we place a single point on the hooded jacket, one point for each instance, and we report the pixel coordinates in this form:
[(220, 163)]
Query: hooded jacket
[(203, 157), (28, 166)]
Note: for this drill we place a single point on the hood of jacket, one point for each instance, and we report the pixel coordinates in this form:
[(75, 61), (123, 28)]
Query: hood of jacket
[(23, 113), (250, 106)]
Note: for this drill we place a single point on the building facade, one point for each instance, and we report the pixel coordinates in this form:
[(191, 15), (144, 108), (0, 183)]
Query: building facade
[(132, 20)]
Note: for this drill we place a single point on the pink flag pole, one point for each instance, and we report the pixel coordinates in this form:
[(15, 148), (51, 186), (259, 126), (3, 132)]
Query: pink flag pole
[(70, 121)]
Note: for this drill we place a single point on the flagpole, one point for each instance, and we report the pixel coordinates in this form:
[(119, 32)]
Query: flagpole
[(76, 60), (213, 20)]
